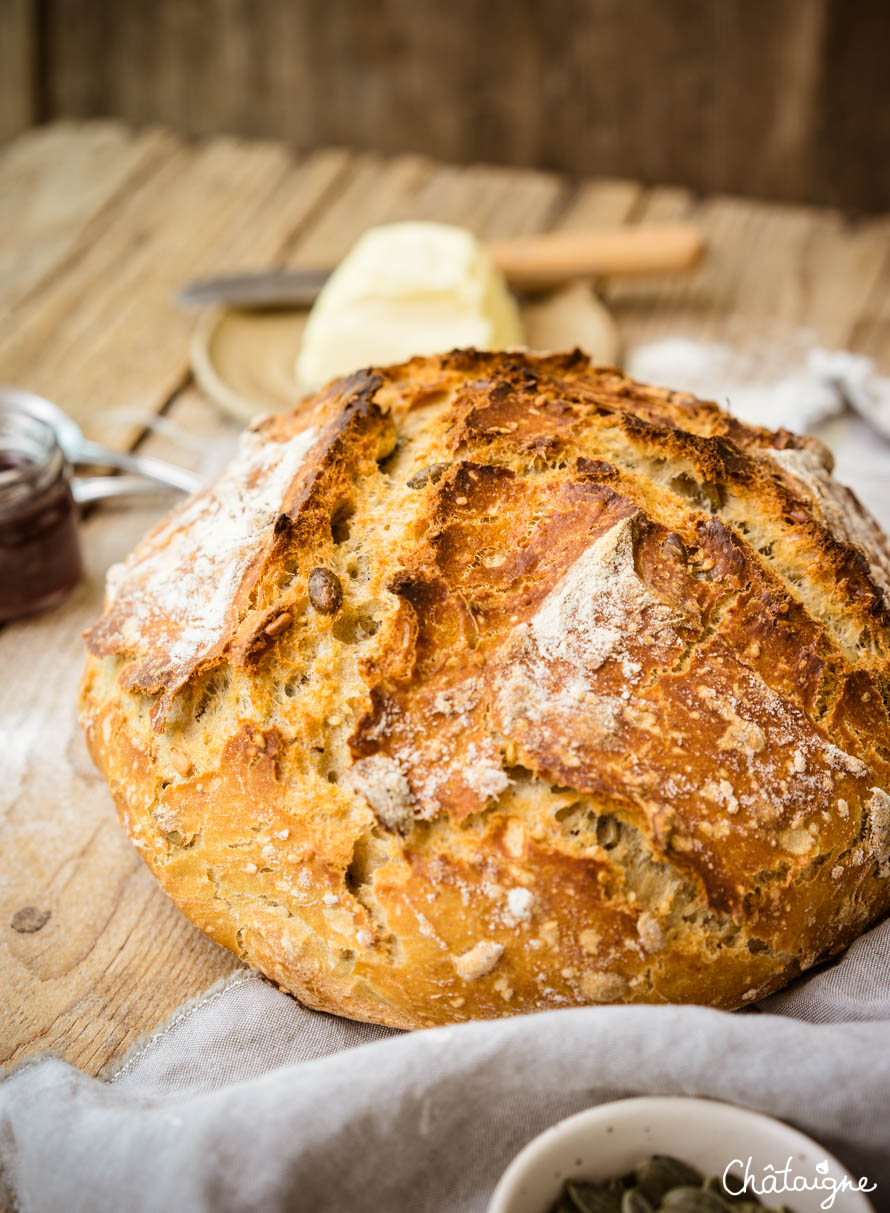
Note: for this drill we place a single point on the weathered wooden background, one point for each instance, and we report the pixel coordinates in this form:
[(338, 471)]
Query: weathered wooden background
[(782, 99)]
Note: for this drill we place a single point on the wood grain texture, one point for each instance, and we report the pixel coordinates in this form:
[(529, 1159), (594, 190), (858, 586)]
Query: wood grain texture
[(784, 99), (88, 319), (55, 185), (19, 86), (803, 269), (105, 339)]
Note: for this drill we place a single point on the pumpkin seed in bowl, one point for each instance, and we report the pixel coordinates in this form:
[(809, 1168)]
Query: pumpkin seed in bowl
[(659, 1184)]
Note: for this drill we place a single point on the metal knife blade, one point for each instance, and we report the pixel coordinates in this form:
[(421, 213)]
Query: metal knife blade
[(270, 288)]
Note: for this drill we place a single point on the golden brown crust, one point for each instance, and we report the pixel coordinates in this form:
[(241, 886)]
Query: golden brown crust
[(490, 682)]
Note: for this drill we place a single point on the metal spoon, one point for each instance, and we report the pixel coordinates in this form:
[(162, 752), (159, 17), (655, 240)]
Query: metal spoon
[(78, 449), (86, 489)]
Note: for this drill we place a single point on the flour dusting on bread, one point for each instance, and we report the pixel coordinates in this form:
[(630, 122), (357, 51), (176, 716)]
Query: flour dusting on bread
[(173, 598), (598, 604), (380, 781)]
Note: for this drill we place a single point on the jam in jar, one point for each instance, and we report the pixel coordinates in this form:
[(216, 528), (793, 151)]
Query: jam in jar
[(39, 548)]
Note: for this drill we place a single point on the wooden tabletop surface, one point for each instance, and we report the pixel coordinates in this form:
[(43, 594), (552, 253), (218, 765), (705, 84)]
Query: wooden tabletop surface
[(98, 225)]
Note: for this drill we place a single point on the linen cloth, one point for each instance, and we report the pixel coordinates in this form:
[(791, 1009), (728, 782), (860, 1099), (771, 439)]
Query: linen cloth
[(248, 1101)]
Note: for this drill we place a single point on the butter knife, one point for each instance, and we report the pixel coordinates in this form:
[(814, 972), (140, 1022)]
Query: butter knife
[(531, 263)]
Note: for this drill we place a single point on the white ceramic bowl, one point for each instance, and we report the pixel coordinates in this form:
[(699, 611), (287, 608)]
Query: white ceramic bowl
[(610, 1139)]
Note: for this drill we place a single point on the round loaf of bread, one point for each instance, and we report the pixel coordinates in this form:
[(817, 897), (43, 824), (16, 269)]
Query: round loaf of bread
[(490, 683)]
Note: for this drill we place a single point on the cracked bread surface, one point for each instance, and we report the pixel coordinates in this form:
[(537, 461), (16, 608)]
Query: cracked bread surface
[(489, 683)]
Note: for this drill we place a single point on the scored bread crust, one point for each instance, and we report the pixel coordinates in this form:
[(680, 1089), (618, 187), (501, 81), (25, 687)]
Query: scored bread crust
[(589, 703)]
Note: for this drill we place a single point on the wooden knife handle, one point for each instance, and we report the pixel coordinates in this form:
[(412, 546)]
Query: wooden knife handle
[(536, 262)]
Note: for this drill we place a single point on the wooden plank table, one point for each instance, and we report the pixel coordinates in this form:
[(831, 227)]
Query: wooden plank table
[(99, 225)]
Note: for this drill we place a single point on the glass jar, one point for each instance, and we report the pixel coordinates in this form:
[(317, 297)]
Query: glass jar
[(40, 560)]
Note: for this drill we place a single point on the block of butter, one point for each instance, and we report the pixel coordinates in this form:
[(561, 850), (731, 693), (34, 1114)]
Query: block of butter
[(405, 289)]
